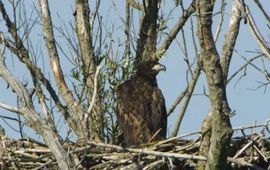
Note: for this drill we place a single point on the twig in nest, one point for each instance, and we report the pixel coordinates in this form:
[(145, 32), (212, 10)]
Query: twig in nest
[(246, 146), (149, 152), (155, 135)]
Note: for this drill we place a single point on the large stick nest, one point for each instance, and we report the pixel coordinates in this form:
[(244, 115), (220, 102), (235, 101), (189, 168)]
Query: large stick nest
[(248, 151)]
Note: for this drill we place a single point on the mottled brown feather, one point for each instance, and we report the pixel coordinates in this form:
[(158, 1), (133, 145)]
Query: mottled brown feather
[(141, 108)]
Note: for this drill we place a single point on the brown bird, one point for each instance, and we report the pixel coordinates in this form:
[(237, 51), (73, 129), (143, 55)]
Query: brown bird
[(141, 107)]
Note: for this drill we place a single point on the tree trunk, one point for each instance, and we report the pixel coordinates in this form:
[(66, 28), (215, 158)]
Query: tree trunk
[(205, 140), (210, 62), (84, 32)]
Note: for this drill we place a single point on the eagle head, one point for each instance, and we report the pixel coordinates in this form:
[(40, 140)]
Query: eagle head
[(150, 69), (158, 67)]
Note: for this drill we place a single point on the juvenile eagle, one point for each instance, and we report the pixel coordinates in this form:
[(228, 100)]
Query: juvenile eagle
[(141, 107)]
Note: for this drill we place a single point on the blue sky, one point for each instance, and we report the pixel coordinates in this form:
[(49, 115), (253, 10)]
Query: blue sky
[(250, 105)]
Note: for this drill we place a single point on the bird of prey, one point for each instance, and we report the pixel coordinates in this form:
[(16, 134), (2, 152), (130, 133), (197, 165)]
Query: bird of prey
[(141, 106)]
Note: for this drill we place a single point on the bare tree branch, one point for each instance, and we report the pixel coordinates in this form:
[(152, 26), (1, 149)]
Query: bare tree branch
[(177, 101), (256, 33), (262, 9), (56, 68), (35, 120), (21, 52), (146, 44), (221, 20), (10, 108), (230, 38), (188, 95), (93, 99), (84, 30), (180, 23), (136, 5)]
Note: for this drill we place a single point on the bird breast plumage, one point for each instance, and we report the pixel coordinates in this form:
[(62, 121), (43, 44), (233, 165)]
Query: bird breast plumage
[(141, 111)]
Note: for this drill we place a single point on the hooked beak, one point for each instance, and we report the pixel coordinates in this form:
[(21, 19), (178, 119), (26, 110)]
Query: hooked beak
[(159, 67)]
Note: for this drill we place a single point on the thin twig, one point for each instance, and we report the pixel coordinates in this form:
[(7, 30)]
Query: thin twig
[(265, 125), (262, 9), (256, 33), (149, 152), (260, 153), (172, 34), (45, 164), (177, 101), (191, 87), (10, 108), (221, 21), (136, 5), (243, 67), (93, 100), (245, 147), (243, 163)]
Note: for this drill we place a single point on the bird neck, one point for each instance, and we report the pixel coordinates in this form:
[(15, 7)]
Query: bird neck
[(151, 79)]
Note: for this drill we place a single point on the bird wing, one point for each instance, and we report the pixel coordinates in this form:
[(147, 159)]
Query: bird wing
[(141, 111)]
